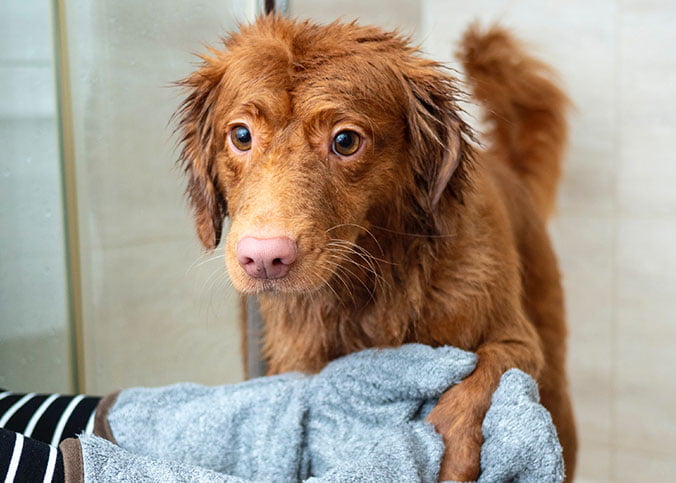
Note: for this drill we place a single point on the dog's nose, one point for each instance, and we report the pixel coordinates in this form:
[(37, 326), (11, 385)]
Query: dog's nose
[(266, 257)]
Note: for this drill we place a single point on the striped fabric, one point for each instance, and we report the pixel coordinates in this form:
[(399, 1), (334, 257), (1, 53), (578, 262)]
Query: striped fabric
[(25, 459), (32, 426)]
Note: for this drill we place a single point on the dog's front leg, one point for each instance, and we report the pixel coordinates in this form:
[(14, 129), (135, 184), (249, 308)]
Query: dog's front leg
[(459, 414)]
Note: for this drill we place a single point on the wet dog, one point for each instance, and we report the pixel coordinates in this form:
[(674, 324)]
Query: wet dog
[(363, 214)]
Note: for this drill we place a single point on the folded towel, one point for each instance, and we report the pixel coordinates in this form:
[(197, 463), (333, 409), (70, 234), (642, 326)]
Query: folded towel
[(360, 419)]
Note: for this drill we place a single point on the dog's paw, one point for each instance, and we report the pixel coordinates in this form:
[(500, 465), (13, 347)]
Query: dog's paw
[(461, 461), (457, 417)]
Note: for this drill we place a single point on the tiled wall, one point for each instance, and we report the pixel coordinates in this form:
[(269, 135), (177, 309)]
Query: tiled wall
[(615, 231), (35, 349)]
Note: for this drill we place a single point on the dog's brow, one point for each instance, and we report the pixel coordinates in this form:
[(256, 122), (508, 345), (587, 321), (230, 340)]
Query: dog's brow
[(251, 108), (267, 104), (261, 108), (332, 114)]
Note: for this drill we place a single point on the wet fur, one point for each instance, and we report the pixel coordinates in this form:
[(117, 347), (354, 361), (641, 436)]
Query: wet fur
[(419, 238)]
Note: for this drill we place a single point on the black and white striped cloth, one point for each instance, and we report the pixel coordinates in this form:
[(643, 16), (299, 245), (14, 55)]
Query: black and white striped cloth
[(25, 459), (31, 428)]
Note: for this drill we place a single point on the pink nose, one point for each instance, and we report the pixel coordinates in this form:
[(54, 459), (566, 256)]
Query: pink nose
[(266, 257)]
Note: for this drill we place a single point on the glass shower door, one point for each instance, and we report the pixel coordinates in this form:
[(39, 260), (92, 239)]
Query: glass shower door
[(103, 283), (154, 308), (35, 333)]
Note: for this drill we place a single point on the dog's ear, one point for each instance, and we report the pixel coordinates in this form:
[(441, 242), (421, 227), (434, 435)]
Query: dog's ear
[(199, 139), (437, 133)]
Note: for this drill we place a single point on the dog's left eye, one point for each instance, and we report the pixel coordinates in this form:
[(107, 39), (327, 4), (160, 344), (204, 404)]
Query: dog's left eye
[(346, 143), (241, 138)]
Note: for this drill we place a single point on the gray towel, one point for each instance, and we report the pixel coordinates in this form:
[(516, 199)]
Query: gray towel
[(360, 419)]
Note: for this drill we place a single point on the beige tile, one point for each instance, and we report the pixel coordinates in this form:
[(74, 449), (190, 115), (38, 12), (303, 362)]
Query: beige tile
[(585, 61), (154, 320), (646, 388), (400, 14), (594, 462), (647, 175), (648, 74), (588, 182), (583, 245), (638, 466)]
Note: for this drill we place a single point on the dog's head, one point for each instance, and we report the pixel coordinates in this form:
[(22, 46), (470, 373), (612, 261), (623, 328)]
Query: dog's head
[(308, 135)]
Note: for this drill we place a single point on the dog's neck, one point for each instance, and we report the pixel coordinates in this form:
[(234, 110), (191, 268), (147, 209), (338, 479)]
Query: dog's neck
[(378, 300)]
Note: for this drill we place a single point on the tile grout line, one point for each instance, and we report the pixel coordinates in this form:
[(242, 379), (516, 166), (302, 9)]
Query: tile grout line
[(614, 332)]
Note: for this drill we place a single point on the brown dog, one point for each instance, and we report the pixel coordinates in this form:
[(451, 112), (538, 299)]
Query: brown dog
[(363, 217)]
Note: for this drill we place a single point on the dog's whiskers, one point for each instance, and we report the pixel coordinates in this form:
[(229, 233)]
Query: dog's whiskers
[(351, 275), (340, 270), (336, 272), (345, 246), (367, 265), (208, 260), (343, 252), (326, 282), (351, 245), (201, 260), (215, 283), (362, 228), (346, 251)]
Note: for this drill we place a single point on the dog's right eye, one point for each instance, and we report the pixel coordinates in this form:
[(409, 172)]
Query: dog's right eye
[(241, 138), (346, 143)]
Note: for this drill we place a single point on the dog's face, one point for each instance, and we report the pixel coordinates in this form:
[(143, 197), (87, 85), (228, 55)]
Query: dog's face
[(305, 136)]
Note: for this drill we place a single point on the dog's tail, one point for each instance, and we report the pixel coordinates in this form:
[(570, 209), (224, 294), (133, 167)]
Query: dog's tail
[(523, 104)]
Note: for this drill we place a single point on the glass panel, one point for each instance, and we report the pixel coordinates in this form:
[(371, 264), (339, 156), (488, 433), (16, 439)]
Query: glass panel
[(35, 347), (155, 309)]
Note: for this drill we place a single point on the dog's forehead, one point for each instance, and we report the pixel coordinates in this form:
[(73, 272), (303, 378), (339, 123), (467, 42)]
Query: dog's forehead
[(343, 66)]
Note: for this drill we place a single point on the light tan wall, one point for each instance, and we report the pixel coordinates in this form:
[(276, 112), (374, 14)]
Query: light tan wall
[(156, 310), (396, 14)]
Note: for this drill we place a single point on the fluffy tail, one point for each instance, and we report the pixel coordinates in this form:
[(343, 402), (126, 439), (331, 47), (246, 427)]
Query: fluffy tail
[(523, 104)]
